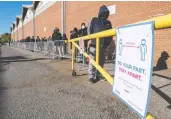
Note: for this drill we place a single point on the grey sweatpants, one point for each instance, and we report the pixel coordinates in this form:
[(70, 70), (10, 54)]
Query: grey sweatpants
[(92, 71)]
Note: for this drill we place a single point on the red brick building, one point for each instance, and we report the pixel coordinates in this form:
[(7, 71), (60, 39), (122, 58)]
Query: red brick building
[(67, 15)]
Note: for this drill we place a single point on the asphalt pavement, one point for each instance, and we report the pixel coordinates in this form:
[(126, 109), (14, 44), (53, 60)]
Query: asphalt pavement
[(36, 88), (30, 89)]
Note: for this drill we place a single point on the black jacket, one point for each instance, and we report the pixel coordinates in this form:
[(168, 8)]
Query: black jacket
[(32, 40), (74, 35), (97, 24), (56, 36), (83, 32), (28, 39)]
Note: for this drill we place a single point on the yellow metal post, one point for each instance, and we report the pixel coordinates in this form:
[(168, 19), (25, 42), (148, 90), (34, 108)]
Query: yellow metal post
[(98, 67), (101, 70), (73, 54), (97, 51), (149, 116)]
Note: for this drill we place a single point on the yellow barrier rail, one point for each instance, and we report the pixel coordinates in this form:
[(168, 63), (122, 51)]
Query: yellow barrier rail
[(159, 23)]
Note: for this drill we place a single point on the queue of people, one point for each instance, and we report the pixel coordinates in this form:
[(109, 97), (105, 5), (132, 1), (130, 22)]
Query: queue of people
[(53, 42), (96, 24)]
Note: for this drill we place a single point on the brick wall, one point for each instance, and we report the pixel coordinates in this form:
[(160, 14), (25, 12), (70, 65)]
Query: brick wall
[(49, 19), (28, 29), (20, 33), (126, 13), (15, 35), (78, 12), (137, 11)]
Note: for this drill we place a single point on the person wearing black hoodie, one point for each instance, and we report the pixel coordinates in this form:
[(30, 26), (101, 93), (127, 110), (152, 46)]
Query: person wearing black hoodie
[(32, 39), (96, 25), (56, 36), (74, 34)]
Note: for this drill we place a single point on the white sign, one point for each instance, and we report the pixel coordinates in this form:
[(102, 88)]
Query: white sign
[(112, 9), (133, 67), (81, 44)]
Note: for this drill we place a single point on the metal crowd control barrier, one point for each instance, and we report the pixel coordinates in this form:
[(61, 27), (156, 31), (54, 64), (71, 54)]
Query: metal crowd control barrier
[(38, 46), (160, 22), (60, 49), (56, 48), (48, 48)]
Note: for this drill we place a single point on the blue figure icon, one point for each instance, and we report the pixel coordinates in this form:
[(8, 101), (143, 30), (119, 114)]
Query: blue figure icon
[(143, 49), (120, 47)]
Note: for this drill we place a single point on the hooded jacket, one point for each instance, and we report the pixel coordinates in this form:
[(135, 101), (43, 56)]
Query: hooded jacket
[(56, 35), (74, 33), (97, 24)]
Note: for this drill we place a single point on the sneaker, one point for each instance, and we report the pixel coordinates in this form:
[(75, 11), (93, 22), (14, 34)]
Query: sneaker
[(100, 78), (91, 80)]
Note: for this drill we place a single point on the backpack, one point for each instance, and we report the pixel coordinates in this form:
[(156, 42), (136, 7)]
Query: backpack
[(106, 26)]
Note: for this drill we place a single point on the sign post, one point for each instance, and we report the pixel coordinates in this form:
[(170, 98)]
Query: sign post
[(134, 64), (81, 44)]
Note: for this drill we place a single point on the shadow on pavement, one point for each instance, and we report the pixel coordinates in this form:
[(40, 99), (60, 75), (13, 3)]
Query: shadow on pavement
[(2, 88), (12, 58), (163, 95), (19, 59), (154, 74), (161, 63)]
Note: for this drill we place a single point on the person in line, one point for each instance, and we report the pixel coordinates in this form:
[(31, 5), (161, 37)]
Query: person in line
[(42, 44), (28, 39), (38, 42), (32, 39), (56, 36), (83, 32), (74, 34), (45, 39), (50, 44), (42, 39), (108, 40), (37, 39), (32, 43), (97, 25)]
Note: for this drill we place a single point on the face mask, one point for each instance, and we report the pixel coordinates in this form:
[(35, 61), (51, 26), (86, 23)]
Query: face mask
[(83, 27)]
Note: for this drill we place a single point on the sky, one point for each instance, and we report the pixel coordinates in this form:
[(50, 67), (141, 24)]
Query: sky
[(8, 12)]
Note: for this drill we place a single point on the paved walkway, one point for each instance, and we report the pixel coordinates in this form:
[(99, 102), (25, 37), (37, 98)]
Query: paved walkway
[(36, 87)]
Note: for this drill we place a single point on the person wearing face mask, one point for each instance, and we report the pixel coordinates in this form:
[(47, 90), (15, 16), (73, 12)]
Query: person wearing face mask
[(83, 32), (97, 25), (74, 34)]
